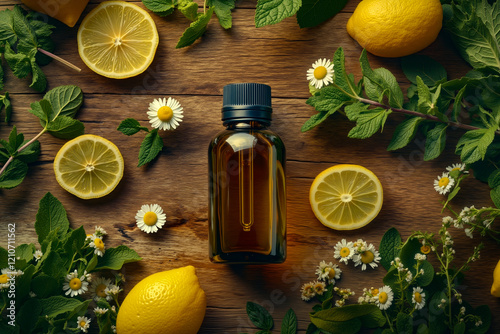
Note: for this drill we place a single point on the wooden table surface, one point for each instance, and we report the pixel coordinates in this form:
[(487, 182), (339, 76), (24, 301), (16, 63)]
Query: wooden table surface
[(279, 56)]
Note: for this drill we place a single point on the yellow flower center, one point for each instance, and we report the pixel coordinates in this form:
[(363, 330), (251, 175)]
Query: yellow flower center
[(456, 168), (425, 249), (443, 182), (165, 113), (320, 72), (75, 283), (3, 279), (374, 292), (345, 252), (99, 244), (99, 290), (331, 273), (367, 257), (83, 323), (150, 218), (418, 297), (382, 297)]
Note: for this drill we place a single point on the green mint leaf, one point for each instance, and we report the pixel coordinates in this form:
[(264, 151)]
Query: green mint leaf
[(30, 153), (27, 40), (344, 319), (404, 133), (390, 247), (223, 11), (38, 110), (259, 316), (373, 320), (150, 147), (115, 258), (428, 276), (314, 12), (24, 252), (341, 78), (92, 263), (494, 179), (23, 282), (312, 329), (459, 328), (195, 30), (289, 325), (353, 111), (160, 7), (13, 175), (28, 315), (74, 241), (7, 105), (270, 12), (7, 33), (15, 139), (1, 76), (407, 255), (473, 145), (457, 105), (54, 266), (39, 81), (369, 122), (130, 127), (380, 81), (435, 142), (55, 305), (51, 216), (404, 323), (327, 101), (45, 286), (424, 97), (65, 100), (18, 62), (430, 71), (484, 313), (189, 9), (66, 127)]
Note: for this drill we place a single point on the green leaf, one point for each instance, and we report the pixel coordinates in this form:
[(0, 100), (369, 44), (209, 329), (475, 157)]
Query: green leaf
[(23, 282), (13, 175), (484, 313), (54, 266), (407, 255), (459, 328), (314, 12), (322, 115), (473, 144), (404, 323), (435, 142), (28, 315), (373, 320), (289, 325), (66, 127), (150, 147), (74, 241), (430, 71), (189, 9), (24, 252), (4, 255), (353, 111), (41, 109), (55, 305), (30, 153), (495, 196), (345, 313), (270, 12), (65, 101), (312, 329), (422, 329), (195, 30), (15, 139), (259, 316), (115, 258), (390, 247), (7, 33), (428, 276), (18, 62), (223, 11), (92, 263), (44, 286), (369, 122), (457, 105), (424, 97), (7, 105), (51, 216), (404, 133), (130, 126), (160, 7), (38, 81), (494, 179)]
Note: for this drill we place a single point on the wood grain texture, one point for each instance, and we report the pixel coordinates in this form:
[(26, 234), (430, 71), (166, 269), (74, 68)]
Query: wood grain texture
[(278, 55)]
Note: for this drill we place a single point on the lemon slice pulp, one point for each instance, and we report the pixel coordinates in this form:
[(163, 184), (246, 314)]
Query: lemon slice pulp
[(346, 197), (88, 166), (117, 39)]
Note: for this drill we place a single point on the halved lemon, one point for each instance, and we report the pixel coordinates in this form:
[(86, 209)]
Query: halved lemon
[(346, 197), (117, 39), (89, 166)]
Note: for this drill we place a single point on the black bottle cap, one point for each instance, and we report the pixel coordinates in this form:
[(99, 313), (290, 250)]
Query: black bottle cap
[(246, 102)]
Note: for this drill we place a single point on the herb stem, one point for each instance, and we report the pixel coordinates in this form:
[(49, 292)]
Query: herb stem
[(59, 59), (389, 321), (417, 114), (7, 163)]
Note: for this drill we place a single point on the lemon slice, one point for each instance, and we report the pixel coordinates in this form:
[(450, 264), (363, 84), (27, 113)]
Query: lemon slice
[(88, 166), (117, 39), (346, 197)]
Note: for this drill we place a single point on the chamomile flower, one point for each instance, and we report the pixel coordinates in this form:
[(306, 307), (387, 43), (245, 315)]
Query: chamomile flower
[(369, 256), (100, 311), (321, 73), (307, 291), (319, 288), (113, 328), (100, 232), (75, 285), (418, 298), (112, 290), (425, 249), (4, 281), (344, 251), (98, 244), (460, 167), (444, 183), (150, 218), (384, 297), (38, 255), (83, 324), (12, 273), (165, 114), (328, 272), (98, 287)]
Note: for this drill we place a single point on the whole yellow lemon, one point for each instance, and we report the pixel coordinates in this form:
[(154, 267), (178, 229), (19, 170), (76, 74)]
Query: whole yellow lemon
[(164, 303), (395, 28), (495, 287)]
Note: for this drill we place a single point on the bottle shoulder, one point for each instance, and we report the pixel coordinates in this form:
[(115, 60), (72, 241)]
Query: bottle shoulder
[(241, 136)]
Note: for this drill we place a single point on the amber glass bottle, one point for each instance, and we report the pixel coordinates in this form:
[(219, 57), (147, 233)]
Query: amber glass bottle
[(247, 204)]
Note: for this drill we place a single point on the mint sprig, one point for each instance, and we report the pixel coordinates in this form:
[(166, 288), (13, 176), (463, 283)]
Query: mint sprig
[(56, 112), (152, 144)]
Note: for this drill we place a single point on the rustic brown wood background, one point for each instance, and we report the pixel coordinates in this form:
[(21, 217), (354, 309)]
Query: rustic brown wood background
[(277, 55)]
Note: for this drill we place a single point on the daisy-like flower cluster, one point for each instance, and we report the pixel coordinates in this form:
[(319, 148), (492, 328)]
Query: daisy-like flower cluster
[(328, 273), (359, 251), (321, 73), (76, 284), (96, 240), (7, 276), (448, 179)]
